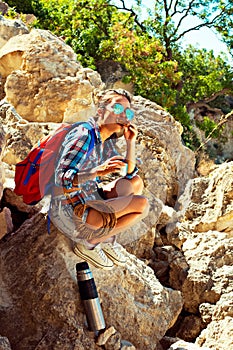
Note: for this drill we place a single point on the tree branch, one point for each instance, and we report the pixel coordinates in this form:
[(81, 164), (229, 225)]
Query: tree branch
[(224, 118), (197, 27), (186, 10), (132, 14), (207, 100)]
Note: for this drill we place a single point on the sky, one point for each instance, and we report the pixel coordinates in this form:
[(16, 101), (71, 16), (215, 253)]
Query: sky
[(202, 38), (205, 38)]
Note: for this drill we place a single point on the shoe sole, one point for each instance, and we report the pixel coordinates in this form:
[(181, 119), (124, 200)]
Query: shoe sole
[(85, 257), (117, 262)]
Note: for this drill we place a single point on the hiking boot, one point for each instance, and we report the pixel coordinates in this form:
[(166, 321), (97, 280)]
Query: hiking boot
[(95, 256), (114, 252)]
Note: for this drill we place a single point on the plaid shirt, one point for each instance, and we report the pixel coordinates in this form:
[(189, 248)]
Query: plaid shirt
[(73, 159)]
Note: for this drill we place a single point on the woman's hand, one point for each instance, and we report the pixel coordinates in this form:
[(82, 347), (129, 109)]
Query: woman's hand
[(111, 165), (130, 132)]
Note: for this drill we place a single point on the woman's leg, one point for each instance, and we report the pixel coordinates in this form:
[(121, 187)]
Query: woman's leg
[(129, 206), (123, 187), (127, 209)]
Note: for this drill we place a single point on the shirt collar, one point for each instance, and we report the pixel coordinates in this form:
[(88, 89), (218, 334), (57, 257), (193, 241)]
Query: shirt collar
[(95, 126)]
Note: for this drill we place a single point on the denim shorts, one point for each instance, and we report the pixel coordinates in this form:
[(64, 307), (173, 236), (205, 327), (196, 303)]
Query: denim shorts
[(61, 216)]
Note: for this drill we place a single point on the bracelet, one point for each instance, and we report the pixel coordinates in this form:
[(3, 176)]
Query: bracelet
[(129, 176)]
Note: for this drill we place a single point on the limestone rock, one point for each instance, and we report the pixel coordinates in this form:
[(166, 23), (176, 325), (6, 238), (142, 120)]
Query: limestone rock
[(10, 28), (210, 268), (41, 77), (104, 336), (215, 193), (4, 343), (219, 318), (6, 222), (218, 335), (182, 345), (9, 174), (17, 211), (206, 204), (164, 156), (201, 231), (46, 59), (44, 298), (2, 147), (83, 106), (12, 199), (3, 7), (21, 135)]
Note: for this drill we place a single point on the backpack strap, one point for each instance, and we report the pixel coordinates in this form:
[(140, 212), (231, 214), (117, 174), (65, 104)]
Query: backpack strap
[(32, 168), (90, 149), (93, 137)]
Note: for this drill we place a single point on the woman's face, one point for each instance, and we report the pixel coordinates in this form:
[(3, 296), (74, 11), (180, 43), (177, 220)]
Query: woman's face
[(118, 113)]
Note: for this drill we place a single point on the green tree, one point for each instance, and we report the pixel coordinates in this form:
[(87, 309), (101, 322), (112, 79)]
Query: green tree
[(167, 19), (203, 76), (142, 57)]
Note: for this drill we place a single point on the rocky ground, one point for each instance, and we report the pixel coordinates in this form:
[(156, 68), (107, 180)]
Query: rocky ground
[(175, 291)]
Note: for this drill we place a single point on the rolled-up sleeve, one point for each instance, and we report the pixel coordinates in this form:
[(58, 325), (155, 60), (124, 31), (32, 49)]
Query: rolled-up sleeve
[(72, 157), (110, 149)]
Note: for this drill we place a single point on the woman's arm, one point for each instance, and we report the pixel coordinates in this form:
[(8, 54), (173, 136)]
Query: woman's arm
[(109, 166), (130, 135)]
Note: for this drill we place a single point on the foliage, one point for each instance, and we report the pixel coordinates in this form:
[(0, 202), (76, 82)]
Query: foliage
[(11, 13), (142, 57), (24, 6), (209, 127), (168, 20), (203, 75)]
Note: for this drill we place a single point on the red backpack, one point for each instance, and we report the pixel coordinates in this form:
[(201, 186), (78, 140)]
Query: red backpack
[(34, 175)]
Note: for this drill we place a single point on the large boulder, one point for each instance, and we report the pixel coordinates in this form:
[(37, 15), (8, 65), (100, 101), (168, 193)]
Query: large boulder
[(41, 295), (202, 232), (6, 225), (206, 205), (43, 77), (220, 329), (10, 28)]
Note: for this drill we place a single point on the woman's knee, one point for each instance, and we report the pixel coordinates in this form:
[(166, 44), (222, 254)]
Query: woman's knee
[(146, 207), (137, 184), (94, 218), (141, 204)]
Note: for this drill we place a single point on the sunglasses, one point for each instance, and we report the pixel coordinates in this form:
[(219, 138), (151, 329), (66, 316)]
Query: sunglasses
[(117, 108)]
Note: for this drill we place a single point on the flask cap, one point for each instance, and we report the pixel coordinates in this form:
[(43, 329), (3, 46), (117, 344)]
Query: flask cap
[(82, 266)]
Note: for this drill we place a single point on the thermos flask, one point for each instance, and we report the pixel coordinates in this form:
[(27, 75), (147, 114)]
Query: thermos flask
[(89, 297)]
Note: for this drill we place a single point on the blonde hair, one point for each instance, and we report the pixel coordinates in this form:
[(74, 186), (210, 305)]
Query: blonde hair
[(109, 94)]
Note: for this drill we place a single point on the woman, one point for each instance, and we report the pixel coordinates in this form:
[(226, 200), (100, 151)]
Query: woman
[(90, 214)]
